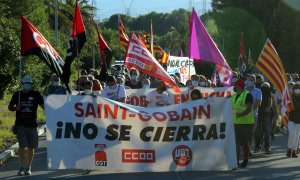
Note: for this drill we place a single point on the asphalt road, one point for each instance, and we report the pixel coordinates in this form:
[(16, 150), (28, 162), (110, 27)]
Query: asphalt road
[(261, 166)]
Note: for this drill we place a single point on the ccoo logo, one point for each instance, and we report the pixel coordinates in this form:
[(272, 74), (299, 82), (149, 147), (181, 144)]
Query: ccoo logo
[(182, 155)]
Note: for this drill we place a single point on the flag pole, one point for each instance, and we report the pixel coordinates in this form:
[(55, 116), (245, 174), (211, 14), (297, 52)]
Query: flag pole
[(93, 50), (20, 76), (151, 38), (77, 59), (56, 22)]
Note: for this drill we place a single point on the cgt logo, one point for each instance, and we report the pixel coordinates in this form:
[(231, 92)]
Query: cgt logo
[(100, 155), (138, 156), (182, 155)]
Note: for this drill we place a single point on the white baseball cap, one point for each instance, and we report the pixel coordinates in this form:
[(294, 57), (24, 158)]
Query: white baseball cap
[(27, 79)]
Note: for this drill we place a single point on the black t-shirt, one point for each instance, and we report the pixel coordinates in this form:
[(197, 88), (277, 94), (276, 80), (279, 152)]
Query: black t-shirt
[(29, 101), (249, 98)]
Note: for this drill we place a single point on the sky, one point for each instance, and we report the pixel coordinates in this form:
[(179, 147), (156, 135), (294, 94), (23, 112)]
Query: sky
[(106, 8)]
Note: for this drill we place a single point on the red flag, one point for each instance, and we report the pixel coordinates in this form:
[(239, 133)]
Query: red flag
[(139, 57), (123, 38), (106, 55), (33, 42), (76, 42)]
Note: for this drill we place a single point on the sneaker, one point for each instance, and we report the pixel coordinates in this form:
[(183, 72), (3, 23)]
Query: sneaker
[(244, 163), (288, 153), (294, 155), (268, 151), (21, 171), (27, 171)]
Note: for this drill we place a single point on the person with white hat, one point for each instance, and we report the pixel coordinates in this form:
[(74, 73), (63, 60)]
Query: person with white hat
[(25, 103)]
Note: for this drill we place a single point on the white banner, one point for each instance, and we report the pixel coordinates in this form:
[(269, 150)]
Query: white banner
[(85, 132), (183, 65), (137, 97)]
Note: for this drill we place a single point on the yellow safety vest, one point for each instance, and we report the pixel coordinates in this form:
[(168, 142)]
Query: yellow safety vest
[(239, 106)]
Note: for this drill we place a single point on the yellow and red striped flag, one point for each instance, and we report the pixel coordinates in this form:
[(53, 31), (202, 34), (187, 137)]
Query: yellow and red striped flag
[(270, 65), (158, 52), (123, 38)]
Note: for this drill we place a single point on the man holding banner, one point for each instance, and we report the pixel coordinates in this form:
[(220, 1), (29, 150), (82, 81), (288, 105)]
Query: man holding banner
[(158, 97)]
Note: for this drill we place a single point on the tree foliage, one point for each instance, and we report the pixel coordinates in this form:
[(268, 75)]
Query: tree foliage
[(281, 24), (255, 18)]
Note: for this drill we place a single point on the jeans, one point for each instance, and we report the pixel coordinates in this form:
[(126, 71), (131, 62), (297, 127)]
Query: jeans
[(263, 130)]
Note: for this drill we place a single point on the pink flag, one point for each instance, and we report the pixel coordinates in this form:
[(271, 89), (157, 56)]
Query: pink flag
[(202, 47), (139, 57)]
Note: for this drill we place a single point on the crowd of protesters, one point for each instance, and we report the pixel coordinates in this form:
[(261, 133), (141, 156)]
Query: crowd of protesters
[(255, 105), (262, 97)]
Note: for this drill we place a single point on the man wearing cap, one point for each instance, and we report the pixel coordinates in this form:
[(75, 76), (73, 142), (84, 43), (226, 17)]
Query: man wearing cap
[(243, 119), (26, 123), (158, 97)]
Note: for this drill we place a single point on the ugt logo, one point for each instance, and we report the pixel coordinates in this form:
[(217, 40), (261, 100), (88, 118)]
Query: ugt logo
[(100, 155), (182, 155)]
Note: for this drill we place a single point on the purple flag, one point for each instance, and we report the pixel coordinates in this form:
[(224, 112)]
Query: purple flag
[(202, 47)]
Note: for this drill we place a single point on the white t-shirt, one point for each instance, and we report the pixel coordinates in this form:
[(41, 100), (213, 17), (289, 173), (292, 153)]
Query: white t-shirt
[(114, 94), (157, 100)]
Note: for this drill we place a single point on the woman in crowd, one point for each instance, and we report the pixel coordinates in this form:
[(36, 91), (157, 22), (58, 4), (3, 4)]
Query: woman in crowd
[(294, 122)]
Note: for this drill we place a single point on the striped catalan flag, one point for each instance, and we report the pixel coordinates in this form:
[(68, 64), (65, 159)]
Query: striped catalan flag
[(158, 52), (270, 65), (122, 33)]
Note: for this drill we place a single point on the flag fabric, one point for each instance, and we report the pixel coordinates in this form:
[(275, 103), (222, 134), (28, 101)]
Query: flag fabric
[(123, 38), (225, 75), (139, 57), (214, 77), (158, 52), (242, 57), (141, 40), (250, 60), (106, 55), (270, 65), (180, 53), (33, 42), (76, 42), (201, 45)]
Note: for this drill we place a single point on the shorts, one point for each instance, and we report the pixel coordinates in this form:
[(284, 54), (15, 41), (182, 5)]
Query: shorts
[(243, 133), (27, 137)]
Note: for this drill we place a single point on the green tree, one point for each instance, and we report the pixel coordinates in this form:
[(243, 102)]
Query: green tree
[(281, 24)]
